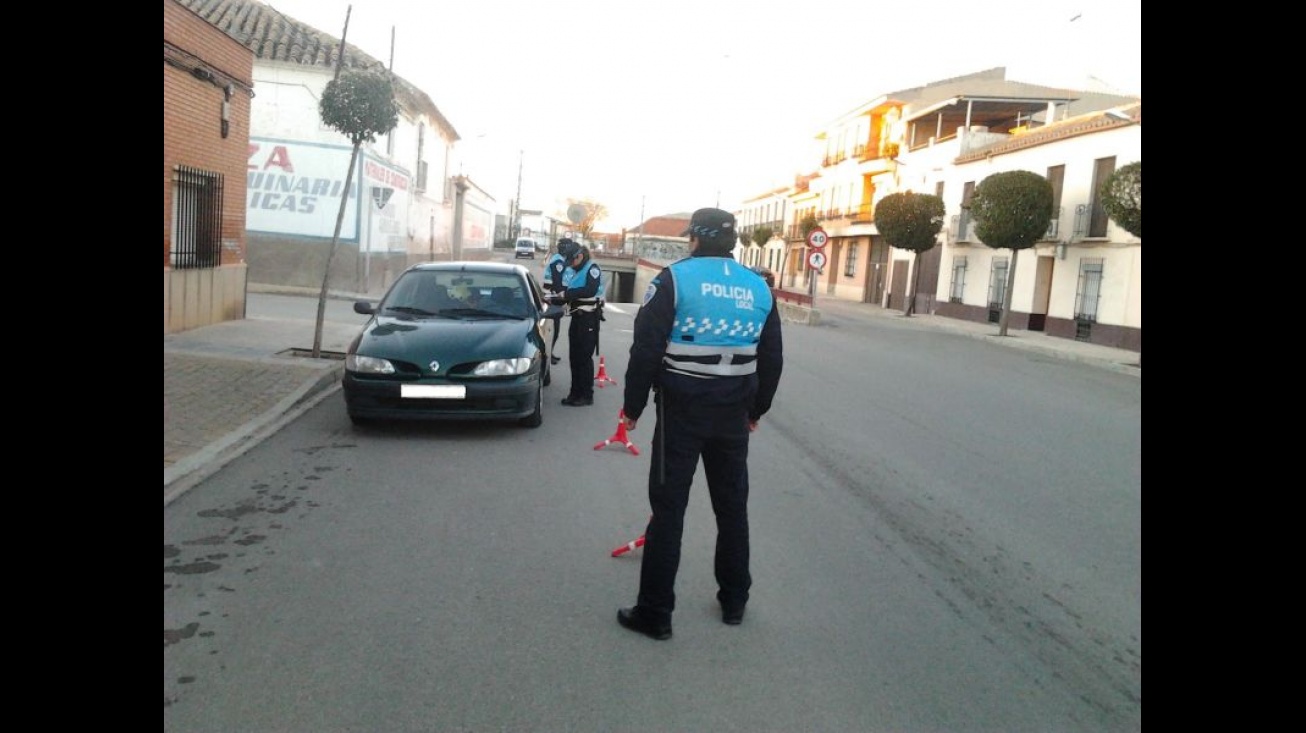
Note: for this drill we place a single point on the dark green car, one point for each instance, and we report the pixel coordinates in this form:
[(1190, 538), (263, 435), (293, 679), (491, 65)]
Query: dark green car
[(452, 341)]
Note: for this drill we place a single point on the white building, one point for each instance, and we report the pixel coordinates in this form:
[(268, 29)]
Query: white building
[(1084, 280), (405, 189)]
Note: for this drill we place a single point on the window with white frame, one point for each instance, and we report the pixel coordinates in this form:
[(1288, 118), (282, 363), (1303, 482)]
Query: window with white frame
[(965, 221), (1097, 221), (958, 285), (998, 281), (850, 258)]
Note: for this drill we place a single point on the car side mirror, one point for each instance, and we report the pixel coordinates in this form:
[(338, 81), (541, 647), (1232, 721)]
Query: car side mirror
[(364, 307), (552, 311)]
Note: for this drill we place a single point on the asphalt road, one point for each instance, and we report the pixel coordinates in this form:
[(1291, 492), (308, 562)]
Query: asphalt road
[(946, 536)]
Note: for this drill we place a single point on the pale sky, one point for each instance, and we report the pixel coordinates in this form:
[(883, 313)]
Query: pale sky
[(660, 107)]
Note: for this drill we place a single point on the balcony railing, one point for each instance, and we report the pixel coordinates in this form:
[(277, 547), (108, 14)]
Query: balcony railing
[(863, 213)]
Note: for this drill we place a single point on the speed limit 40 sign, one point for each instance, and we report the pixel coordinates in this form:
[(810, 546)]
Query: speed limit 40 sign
[(817, 238)]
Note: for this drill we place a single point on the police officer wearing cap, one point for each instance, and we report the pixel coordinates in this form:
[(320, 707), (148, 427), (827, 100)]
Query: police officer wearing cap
[(582, 294), (707, 341)]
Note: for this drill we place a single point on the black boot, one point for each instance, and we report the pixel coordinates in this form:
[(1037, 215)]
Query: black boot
[(635, 620)]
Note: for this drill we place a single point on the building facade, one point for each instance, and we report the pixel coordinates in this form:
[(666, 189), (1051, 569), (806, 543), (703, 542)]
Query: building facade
[(766, 213), (207, 86), (1084, 279), (941, 139)]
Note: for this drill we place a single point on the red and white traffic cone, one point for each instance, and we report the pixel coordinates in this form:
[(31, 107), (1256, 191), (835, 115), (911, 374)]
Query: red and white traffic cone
[(602, 376), (620, 436), (629, 546)]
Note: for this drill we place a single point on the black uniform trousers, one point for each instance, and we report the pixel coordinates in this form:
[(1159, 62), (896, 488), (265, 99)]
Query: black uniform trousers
[(557, 331), (582, 342), (684, 434)]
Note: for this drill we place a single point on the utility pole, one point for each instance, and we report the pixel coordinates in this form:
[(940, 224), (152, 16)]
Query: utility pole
[(639, 241), (516, 220)]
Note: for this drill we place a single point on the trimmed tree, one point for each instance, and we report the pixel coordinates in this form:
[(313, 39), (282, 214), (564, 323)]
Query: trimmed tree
[(1012, 211), (808, 223), (910, 221), (359, 103), (1122, 197)]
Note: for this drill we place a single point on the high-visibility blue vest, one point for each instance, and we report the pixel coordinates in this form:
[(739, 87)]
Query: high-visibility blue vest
[(721, 307), (548, 269)]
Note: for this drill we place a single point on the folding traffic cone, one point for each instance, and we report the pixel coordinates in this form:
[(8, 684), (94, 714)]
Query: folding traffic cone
[(620, 436), (629, 546), (602, 376), (637, 542)]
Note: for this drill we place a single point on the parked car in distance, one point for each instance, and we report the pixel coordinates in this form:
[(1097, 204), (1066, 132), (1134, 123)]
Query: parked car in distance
[(524, 248), (452, 341)]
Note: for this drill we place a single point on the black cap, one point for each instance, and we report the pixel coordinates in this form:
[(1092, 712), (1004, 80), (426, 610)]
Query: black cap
[(567, 248), (712, 225)]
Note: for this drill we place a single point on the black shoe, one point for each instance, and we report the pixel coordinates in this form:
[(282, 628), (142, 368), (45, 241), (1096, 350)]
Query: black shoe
[(555, 359), (733, 616), (577, 401), (632, 619)]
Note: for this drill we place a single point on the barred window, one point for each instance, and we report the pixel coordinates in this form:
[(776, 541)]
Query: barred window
[(958, 286), (1089, 288), (850, 259), (196, 218)]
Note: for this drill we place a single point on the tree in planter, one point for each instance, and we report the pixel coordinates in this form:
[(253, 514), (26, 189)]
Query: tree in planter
[(1122, 197), (910, 221), (1012, 211), (360, 103)]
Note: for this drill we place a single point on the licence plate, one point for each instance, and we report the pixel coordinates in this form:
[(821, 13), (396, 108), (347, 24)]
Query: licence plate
[(433, 391)]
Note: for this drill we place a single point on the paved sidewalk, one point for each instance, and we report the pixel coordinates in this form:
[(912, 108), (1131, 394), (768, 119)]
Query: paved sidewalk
[(228, 386), (1119, 360)]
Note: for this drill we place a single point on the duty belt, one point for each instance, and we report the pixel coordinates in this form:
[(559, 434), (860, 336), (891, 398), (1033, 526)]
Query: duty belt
[(584, 306)]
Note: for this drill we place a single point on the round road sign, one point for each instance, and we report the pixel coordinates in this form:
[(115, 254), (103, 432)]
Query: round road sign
[(816, 259), (817, 238)]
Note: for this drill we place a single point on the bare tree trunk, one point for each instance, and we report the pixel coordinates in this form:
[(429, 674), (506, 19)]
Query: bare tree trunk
[(1006, 295), (335, 238), (915, 284)]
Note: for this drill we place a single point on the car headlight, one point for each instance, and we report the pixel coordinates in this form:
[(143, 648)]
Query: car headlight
[(368, 364), (502, 367)]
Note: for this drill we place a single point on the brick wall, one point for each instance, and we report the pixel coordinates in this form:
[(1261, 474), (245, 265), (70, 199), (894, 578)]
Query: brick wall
[(192, 110)]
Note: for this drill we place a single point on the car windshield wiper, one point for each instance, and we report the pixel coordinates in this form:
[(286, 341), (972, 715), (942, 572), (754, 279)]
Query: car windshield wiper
[(473, 312), (409, 309)]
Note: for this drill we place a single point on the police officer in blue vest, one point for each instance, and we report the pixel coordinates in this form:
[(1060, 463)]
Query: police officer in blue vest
[(583, 296), (556, 275), (707, 342)]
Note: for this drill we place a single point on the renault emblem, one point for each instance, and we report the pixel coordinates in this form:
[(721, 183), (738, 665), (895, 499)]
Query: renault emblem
[(435, 366)]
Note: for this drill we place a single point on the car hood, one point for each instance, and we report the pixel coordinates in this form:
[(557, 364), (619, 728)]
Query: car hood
[(448, 340)]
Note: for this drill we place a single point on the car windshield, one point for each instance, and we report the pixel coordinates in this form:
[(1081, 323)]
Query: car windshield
[(460, 294)]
